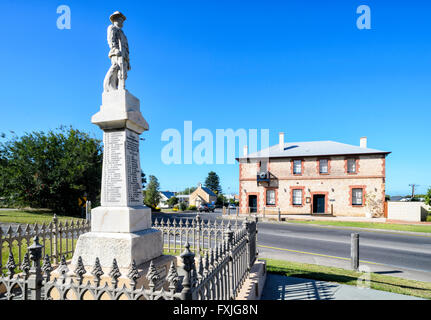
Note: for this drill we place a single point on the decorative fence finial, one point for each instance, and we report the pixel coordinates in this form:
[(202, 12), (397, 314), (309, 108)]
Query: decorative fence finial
[(172, 277), (80, 269), (47, 267), (115, 273), (97, 271), (10, 265), (152, 275), (25, 265), (133, 274)]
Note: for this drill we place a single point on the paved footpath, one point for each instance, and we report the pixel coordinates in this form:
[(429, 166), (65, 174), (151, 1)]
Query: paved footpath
[(278, 287)]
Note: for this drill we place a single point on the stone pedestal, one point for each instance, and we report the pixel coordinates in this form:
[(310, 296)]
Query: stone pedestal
[(121, 226)]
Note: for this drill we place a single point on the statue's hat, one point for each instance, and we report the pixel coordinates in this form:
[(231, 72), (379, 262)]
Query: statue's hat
[(115, 15)]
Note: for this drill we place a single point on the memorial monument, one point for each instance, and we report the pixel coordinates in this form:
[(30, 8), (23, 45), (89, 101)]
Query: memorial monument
[(121, 226)]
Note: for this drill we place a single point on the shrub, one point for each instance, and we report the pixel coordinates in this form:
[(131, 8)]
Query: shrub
[(192, 208), (182, 206)]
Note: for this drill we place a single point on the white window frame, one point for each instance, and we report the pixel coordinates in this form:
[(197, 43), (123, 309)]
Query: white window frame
[(353, 160), (320, 166), (357, 201), (268, 202), (295, 197), (295, 167)]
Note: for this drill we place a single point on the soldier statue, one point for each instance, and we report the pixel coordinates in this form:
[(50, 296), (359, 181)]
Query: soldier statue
[(119, 54)]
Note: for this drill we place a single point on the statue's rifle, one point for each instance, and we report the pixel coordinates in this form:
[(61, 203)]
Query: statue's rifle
[(121, 62)]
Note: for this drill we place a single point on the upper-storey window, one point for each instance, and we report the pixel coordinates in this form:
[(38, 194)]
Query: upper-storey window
[(351, 165), (297, 166), (323, 166)]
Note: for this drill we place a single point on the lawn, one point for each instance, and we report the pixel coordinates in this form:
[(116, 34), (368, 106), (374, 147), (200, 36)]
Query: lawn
[(369, 225), (349, 277), (30, 216), (47, 249)]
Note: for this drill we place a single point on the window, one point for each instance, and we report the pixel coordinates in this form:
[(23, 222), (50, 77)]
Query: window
[(357, 197), (323, 166), (351, 165), (270, 197), (297, 166), (297, 197)]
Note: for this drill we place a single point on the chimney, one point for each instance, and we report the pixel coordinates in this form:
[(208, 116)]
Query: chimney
[(363, 142), (281, 140), (245, 150)]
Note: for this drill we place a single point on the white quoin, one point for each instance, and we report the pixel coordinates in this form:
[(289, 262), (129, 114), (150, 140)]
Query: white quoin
[(363, 142), (245, 151), (281, 140)]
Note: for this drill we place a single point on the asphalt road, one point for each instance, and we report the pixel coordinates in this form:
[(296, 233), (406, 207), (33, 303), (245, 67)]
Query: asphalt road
[(392, 249)]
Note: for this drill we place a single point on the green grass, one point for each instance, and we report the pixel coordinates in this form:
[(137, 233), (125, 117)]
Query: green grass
[(349, 277), (429, 217), (31, 216), (16, 253), (369, 225)]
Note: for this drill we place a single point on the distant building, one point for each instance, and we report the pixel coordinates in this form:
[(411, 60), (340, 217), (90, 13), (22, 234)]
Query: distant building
[(183, 198), (164, 197), (202, 195), (319, 177)]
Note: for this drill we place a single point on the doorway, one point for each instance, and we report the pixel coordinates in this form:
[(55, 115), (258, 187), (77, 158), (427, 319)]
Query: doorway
[(319, 203), (252, 203)]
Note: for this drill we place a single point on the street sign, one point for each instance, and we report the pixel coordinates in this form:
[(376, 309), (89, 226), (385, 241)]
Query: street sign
[(82, 201)]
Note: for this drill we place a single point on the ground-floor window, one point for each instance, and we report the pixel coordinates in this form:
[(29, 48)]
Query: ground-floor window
[(270, 197), (297, 197), (357, 196)]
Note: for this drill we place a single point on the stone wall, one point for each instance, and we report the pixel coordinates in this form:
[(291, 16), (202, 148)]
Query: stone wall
[(336, 185)]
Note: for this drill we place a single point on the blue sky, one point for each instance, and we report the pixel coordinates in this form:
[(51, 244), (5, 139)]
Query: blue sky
[(301, 67)]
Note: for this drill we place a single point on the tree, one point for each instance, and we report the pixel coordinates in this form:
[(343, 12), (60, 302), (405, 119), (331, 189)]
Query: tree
[(152, 193), (428, 197), (189, 190), (172, 201), (213, 182), (51, 170)]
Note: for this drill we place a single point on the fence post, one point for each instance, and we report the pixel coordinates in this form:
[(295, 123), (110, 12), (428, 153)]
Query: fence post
[(88, 211), (198, 223), (35, 273), (55, 238), (237, 211), (229, 238), (188, 259), (354, 251), (279, 214)]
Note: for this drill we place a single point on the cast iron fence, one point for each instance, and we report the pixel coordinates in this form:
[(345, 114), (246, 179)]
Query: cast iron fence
[(57, 238), (200, 234), (219, 274)]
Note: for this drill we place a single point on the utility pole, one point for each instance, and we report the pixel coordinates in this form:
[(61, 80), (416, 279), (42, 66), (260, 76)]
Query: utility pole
[(413, 185)]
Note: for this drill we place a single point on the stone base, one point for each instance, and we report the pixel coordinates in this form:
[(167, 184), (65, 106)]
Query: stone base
[(120, 109), (253, 285), (120, 219), (140, 246)]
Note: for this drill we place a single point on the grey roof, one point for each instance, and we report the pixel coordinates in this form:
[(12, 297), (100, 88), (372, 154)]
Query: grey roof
[(209, 191), (312, 148)]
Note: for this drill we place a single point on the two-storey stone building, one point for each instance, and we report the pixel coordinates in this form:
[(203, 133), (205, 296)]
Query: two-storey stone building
[(318, 177)]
